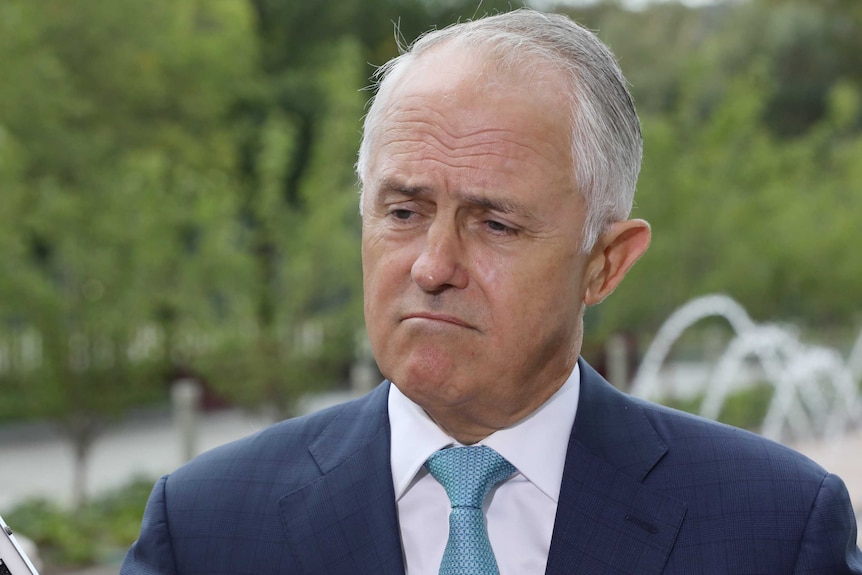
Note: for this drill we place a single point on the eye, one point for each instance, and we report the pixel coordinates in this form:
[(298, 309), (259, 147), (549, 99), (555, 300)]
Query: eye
[(499, 228), (401, 214)]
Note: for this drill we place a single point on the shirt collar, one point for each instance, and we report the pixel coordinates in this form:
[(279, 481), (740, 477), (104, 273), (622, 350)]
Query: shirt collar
[(536, 445)]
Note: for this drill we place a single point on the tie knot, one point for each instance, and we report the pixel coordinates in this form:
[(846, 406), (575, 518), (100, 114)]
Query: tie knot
[(468, 473)]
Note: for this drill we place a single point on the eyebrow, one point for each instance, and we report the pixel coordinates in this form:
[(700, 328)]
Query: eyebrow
[(388, 185), (501, 205)]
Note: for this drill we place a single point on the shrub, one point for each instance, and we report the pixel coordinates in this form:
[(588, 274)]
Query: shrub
[(98, 532)]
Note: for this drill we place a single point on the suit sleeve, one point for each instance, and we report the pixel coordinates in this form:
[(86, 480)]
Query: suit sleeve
[(152, 553), (829, 542)]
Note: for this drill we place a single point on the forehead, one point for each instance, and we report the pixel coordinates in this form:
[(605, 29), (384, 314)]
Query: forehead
[(464, 77), (463, 110)]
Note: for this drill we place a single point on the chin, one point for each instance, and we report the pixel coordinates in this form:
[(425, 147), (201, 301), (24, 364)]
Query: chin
[(429, 383)]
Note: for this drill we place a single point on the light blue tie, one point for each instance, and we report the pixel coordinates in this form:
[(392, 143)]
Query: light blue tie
[(468, 474)]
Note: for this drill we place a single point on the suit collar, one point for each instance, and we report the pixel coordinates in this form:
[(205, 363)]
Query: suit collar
[(345, 520), (607, 520), (613, 427)]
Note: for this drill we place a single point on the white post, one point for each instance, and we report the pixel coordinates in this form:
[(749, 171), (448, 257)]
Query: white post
[(363, 372), (186, 398), (618, 367)]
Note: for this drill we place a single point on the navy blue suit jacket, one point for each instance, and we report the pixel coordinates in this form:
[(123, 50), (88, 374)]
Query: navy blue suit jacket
[(646, 490)]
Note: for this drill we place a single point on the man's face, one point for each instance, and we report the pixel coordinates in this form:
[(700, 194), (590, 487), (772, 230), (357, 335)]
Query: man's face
[(472, 228)]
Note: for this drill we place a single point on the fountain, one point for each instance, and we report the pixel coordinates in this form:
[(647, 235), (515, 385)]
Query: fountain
[(815, 392)]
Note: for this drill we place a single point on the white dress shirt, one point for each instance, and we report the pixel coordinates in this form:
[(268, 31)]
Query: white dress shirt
[(520, 511)]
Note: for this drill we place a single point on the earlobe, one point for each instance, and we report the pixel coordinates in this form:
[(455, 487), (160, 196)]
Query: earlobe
[(615, 253)]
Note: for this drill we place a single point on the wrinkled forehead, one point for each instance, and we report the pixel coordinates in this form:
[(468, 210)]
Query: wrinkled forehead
[(467, 89), (471, 125)]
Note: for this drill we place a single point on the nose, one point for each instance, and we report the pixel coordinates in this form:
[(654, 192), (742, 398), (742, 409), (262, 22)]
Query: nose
[(440, 264)]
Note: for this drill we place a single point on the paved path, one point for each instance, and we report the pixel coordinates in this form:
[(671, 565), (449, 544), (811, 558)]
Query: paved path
[(36, 461)]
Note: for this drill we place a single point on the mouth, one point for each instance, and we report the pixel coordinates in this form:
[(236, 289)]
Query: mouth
[(437, 318)]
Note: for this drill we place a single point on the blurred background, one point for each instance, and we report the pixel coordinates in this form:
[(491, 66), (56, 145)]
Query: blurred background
[(179, 231)]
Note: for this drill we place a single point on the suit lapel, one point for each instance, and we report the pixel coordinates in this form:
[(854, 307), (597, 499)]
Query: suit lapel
[(607, 520), (345, 521)]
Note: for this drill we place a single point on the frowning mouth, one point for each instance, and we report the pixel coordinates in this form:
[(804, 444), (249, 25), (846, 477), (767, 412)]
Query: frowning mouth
[(438, 318)]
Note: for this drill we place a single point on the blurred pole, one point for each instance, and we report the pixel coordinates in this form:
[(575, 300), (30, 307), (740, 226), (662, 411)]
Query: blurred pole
[(618, 366), (363, 378), (363, 372), (186, 398)]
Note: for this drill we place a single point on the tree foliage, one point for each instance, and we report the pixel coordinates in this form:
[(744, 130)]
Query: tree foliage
[(117, 166), (752, 123)]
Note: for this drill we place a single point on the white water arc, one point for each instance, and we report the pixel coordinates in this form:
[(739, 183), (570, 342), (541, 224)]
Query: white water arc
[(816, 393)]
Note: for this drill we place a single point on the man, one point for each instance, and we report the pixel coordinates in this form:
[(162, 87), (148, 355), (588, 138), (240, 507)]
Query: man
[(498, 166)]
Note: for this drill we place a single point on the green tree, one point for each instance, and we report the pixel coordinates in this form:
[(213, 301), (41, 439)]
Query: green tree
[(119, 194), (737, 209), (750, 114), (304, 287)]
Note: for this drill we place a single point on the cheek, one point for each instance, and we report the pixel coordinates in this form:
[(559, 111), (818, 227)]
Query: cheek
[(507, 280), (494, 272), (386, 273), (530, 290), (373, 277)]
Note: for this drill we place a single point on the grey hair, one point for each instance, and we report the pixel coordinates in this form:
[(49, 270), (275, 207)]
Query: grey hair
[(607, 145)]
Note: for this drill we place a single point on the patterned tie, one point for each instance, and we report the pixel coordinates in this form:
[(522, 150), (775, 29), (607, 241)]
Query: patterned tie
[(468, 474)]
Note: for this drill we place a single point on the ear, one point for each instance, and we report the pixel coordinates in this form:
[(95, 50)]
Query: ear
[(615, 253)]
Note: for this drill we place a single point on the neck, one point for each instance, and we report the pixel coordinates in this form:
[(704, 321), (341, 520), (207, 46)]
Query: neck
[(468, 424)]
